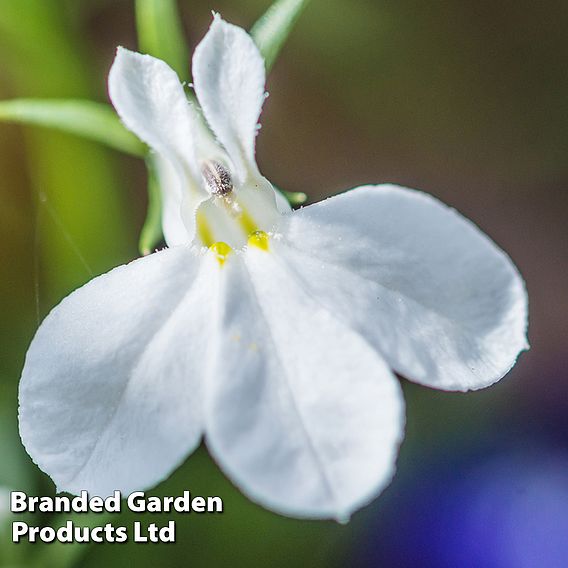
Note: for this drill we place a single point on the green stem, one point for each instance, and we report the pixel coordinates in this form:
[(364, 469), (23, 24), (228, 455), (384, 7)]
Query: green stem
[(160, 34), (274, 26)]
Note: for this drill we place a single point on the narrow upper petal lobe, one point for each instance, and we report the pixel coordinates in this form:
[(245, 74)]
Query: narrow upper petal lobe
[(229, 77)]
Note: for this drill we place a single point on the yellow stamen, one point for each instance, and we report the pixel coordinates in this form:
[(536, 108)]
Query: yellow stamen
[(259, 239)]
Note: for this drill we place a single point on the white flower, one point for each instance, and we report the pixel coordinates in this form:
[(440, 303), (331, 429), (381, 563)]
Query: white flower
[(269, 332)]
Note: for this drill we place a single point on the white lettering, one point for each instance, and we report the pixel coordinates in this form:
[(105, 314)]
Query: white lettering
[(153, 533), (136, 502), (18, 502), (214, 505), (18, 529)]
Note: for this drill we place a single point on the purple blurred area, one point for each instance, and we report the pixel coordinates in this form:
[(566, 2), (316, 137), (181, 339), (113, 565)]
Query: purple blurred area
[(467, 100), (504, 508)]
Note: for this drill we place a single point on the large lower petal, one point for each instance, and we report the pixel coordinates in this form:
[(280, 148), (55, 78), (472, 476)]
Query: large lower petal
[(446, 307), (110, 391), (302, 414)]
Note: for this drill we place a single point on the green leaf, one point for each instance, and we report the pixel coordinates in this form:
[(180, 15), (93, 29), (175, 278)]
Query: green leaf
[(151, 233), (88, 119), (67, 554), (272, 29), (160, 34)]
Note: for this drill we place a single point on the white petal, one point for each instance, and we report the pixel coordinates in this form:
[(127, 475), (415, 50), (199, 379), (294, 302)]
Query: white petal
[(301, 412), (151, 102), (173, 226), (229, 77), (110, 392), (282, 203), (446, 307)]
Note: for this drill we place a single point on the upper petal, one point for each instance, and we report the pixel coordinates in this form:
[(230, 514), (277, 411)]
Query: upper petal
[(229, 78), (446, 307), (110, 391), (151, 102), (302, 414)]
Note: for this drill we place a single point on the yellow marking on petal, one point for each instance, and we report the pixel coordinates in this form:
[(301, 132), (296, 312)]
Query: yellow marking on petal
[(221, 251), (247, 223), (259, 239), (204, 230)]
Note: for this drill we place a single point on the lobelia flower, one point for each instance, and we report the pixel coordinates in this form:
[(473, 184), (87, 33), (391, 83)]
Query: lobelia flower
[(268, 332)]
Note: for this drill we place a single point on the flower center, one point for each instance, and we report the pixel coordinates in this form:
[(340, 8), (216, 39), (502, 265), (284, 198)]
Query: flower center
[(258, 239), (238, 213)]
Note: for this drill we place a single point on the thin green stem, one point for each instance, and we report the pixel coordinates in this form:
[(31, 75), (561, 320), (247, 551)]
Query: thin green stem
[(274, 26)]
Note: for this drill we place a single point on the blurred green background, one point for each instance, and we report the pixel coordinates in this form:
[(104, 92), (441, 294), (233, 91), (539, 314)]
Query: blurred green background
[(467, 100)]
